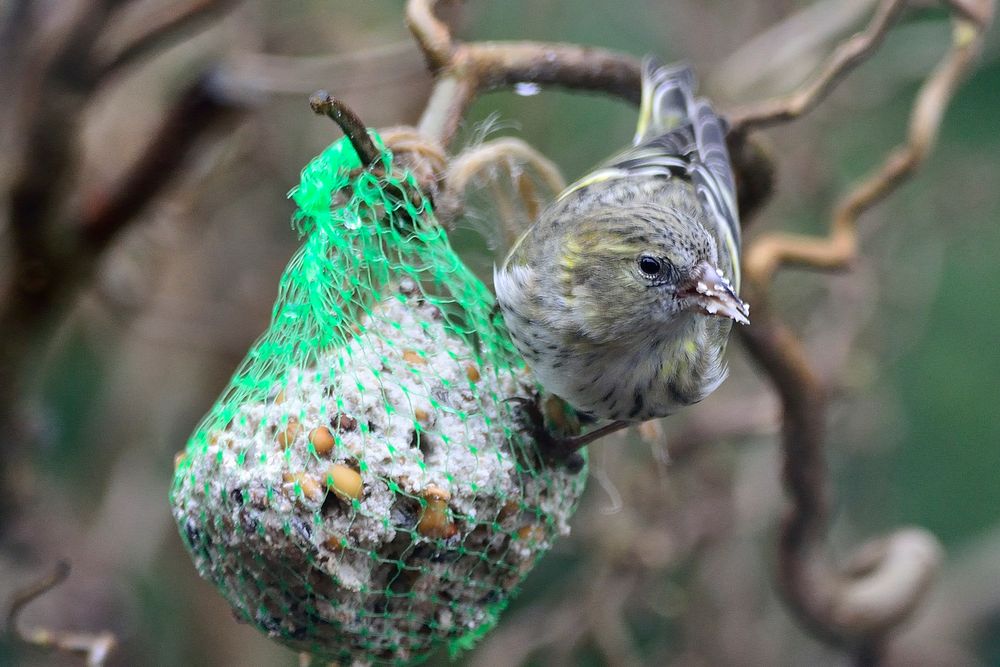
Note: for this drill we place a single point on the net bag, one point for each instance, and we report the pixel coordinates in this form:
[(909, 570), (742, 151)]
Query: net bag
[(365, 489)]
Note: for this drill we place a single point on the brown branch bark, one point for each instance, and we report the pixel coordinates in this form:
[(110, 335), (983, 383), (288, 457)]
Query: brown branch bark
[(858, 606), (324, 104), (838, 249), (200, 110), (846, 606), (465, 70), (95, 648), (54, 247), (846, 57), (157, 29)]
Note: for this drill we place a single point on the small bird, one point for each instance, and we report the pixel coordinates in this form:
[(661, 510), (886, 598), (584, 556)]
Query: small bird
[(621, 295)]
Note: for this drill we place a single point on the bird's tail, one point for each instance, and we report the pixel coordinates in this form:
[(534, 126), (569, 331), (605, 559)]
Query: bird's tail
[(667, 98)]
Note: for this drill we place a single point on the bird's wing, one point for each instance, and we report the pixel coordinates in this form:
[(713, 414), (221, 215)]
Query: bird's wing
[(679, 136)]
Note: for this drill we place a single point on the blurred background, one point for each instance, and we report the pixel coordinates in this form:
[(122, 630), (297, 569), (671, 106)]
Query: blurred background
[(671, 556)]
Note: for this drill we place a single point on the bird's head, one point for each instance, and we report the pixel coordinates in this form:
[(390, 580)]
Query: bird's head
[(643, 272)]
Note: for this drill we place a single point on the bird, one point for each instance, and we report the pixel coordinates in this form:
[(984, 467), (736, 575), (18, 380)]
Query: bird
[(621, 295)]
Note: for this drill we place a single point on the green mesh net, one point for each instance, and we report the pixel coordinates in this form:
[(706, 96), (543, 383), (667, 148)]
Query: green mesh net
[(364, 489)]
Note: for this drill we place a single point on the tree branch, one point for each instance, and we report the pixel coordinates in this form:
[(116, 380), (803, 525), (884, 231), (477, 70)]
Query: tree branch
[(94, 647), (838, 249), (857, 606), (324, 104), (847, 56), (158, 29), (431, 34), (54, 248), (200, 110), (467, 69)]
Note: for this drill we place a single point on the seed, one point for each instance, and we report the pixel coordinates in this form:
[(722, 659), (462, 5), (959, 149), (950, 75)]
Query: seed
[(334, 543), (434, 519), (472, 373), (280, 397), (557, 413), (532, 534), (436, 493), (411, 357), (420, 415), (310, 487), (322, 440), (179, 458), (287, 437), (510, 508), (343, 422), (344, 481)]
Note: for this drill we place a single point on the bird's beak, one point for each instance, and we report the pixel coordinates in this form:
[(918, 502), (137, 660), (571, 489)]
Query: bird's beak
[(713, 294)]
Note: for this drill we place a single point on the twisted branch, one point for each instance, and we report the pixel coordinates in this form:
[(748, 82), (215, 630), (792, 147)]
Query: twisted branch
[(514, 156), (848, 55), (324, 104), (57, 238), (838, 249), (200, 110), (94, 647), (860, 605)]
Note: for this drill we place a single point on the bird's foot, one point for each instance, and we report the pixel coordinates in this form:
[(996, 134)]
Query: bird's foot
[(560, 449)]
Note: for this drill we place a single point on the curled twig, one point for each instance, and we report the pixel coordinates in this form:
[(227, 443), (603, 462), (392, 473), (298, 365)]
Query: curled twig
[(469, 164), (858, 606), (431, 33), (842, 607), (513, 155), (855, 607), (845, 58), (839, 248), (94, 647)]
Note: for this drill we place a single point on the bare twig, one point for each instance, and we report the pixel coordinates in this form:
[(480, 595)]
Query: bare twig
[(467, 69), (467, 165), (49, 117), (517, 158), (57, 82), (94, 647), (324, 104), (200, 110), (431, 33), (979, 12), (54, 245), (838, 606), (845, 58), (160, 28)]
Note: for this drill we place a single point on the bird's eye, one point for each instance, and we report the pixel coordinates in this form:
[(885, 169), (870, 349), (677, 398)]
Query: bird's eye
[(650, 266)]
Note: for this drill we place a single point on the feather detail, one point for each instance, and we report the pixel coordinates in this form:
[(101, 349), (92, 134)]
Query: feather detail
[(679, 136)]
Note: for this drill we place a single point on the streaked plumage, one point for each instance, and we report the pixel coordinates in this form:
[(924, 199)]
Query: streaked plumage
[(621, 295)]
